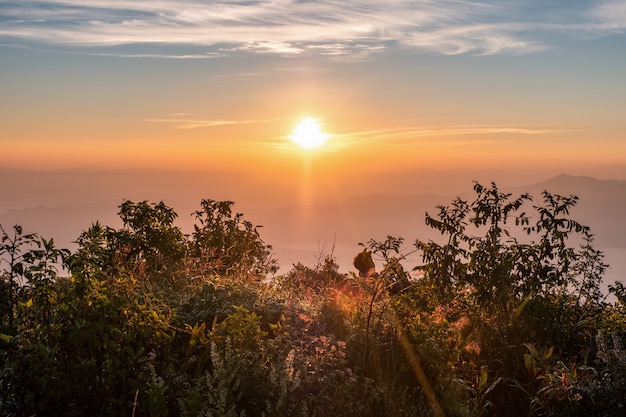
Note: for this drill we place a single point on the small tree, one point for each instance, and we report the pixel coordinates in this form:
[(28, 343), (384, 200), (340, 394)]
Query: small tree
[(12, 252), (224, 243), (149, 239), (41, 269), (506, 278), (93, 258), (500, 267)]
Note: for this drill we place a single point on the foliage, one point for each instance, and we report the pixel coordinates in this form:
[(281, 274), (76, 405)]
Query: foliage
[(513, 284), (503, 316), (318, 279), (149, 242), (228, 244), (479, 391), (12, 254)]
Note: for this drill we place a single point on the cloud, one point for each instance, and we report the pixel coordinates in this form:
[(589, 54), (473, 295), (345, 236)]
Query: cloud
[(407, 134), (611, 16), (182, 121), (335, 28)]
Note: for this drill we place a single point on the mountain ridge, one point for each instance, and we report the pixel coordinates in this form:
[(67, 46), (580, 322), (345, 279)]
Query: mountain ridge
[(300, 232)]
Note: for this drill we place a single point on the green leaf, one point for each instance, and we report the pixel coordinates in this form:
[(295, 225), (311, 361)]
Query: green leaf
[(522, 306), (484, 376), (493, 385), (548, 354)]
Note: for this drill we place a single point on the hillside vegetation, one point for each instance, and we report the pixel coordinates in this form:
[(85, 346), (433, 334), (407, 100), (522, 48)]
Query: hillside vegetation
[(503, 316)]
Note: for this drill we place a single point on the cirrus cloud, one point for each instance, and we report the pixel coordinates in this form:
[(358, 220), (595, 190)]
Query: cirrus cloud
[(296, 27), (184, 121)]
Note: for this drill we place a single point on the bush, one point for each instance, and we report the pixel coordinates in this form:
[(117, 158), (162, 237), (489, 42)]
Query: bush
[(503, 315)]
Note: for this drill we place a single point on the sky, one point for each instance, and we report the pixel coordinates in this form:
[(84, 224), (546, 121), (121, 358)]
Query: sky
[(410, 97), (394, 85)]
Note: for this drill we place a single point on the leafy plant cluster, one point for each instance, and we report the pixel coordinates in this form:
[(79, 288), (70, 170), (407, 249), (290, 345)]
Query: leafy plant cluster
[(504, 316)]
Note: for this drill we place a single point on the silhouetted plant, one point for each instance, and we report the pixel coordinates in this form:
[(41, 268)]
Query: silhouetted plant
[(224, 243), (149, 240), (13, 248)]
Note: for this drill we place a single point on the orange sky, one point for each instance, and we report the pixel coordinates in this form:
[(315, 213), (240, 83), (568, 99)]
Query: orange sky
[(397, 87)]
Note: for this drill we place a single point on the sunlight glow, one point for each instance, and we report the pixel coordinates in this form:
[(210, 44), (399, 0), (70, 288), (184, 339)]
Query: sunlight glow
[(308, 134)]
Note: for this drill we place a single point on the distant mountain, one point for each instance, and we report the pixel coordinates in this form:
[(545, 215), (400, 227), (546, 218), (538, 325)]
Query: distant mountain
[(299, 233), (24, 188), (64, 223), (564, 182), (601, 204)]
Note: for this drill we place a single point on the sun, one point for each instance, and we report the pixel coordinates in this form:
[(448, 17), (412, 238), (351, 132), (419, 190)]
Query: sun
[(308, 134)]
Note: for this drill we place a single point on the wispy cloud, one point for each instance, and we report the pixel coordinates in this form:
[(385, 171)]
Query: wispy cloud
[(184, 121), (612, 15), (324, 27), (410, 136), (407, 134)]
